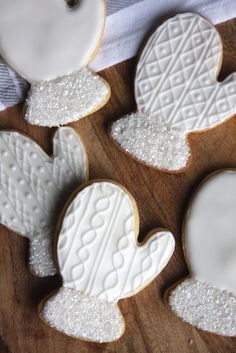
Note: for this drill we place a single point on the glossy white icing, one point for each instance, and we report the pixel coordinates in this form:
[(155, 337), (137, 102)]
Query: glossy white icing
[(46, 39), (208, 299), (176, 83), (210, 232), (101, 262), (32, 184), (97, 248)]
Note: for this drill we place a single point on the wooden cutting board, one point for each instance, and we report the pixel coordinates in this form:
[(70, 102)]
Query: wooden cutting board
[(161, 198)]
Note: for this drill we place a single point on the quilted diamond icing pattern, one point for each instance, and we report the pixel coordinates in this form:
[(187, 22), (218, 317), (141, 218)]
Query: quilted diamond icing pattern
[(176, 75), (177, 92)]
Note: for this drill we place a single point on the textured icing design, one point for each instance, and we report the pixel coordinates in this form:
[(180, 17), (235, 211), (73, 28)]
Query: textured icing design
[(176, 84), (208, 308), (176, 75), (32, 184), (97, 249), (208, 299), (79, 315), (98, 254), (55, 42), (54, 103)]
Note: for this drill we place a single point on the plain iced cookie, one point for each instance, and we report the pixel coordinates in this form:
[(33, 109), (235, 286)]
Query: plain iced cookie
[(177, 92), (50, 44), (207, 299), (32, 185), (101, 262)]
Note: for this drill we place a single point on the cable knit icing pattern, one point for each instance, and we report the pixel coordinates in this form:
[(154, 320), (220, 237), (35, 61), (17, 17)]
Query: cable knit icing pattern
[(207, 299), (31, 186), (99, 258), (177, 92), (52, 52)]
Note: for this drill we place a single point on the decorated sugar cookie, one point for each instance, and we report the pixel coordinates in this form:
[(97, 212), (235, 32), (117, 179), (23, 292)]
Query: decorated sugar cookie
[(32, 185), (207, 299), (50, 44), (101, 262), (177, 92)]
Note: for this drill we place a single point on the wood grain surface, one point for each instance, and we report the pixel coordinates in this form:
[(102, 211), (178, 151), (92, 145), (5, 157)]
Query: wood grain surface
[(161, 197)]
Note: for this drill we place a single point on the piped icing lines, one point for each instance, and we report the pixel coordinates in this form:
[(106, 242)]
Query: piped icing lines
[(52, 52), (207, 300), (177, 92), (101, 262), (32, 185)]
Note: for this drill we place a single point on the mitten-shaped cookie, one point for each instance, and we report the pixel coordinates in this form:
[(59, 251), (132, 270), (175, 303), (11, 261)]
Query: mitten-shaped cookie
[(177, 92), (50, 43), (207, 299), (101, 262), (32, 185)]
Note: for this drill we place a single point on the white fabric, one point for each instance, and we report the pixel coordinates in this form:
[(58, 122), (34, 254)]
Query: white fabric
[(13, 89), (127, 28), (127, 25)]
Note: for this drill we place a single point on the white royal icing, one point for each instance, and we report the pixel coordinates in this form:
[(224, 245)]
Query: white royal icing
[(98, 254), (32, 185), (50, 44), (45, 39), (176, 84), (210, 232), (210, 247)]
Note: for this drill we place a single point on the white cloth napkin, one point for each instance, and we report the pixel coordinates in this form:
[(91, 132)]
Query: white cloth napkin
[(13, 89), (128, 22)]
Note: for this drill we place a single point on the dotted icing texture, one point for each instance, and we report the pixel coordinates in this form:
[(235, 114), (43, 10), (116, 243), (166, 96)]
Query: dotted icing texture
[(176, 84), (31, 186)]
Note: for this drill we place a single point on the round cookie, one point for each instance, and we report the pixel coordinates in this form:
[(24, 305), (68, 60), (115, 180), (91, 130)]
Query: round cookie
[(45, 39), (177, 92), (207, 299), (32, 185), (101, 262), (50, 44)]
